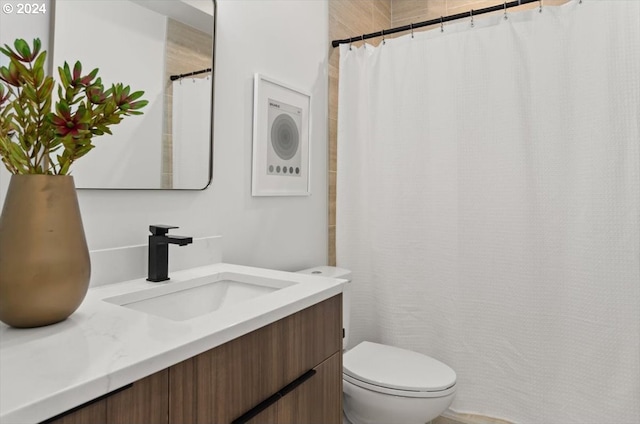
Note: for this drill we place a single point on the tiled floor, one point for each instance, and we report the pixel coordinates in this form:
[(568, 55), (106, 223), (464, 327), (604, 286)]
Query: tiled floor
[(444, 420), (468, 419), (463, 419)]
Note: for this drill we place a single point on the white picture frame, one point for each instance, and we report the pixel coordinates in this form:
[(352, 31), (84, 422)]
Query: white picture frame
[(281, 139)]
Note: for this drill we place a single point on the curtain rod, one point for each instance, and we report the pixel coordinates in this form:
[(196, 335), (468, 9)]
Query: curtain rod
[(441, 20), (177, 77)]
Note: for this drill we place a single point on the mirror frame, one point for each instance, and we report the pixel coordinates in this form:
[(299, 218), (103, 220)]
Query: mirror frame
[(52, 71)]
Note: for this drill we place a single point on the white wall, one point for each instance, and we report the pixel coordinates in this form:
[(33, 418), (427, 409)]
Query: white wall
[(132, 156), (286, 40)]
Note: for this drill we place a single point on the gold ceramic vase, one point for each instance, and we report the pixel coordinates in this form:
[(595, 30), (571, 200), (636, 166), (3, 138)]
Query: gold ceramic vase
[(44, 259)]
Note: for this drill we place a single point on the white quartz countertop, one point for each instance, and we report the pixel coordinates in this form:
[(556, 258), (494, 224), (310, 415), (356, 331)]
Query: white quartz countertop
[(101, 347)]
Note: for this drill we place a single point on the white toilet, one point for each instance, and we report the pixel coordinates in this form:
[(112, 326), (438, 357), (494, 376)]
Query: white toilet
[(385, 384)]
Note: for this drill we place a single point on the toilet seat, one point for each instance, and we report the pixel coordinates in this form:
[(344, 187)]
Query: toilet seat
[(395, 392), (395, 371)]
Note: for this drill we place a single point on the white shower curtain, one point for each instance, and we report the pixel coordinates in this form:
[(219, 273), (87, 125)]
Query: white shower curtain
[(488, 205), (191, 132)]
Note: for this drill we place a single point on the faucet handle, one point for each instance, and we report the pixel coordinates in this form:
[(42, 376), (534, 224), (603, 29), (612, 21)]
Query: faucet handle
[(160, 230)]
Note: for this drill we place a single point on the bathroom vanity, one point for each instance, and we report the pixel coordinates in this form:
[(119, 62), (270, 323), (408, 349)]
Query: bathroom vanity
[(271, 358)]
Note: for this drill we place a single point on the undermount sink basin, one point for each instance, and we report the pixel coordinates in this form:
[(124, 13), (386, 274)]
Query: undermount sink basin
[(180, 301)]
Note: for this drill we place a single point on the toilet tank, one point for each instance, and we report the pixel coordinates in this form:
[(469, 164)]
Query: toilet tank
[(345, 274)]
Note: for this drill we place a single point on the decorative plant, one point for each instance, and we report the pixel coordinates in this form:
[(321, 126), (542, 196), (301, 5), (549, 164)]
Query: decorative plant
[(31, 132)]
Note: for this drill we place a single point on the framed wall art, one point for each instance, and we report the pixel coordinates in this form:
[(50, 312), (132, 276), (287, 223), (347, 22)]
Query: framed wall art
[(280, 139)]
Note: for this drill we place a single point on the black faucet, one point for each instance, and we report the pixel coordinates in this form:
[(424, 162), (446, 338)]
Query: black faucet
[(159, 242)]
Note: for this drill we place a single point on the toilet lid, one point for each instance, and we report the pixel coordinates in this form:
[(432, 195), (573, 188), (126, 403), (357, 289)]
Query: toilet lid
[(395, 368)]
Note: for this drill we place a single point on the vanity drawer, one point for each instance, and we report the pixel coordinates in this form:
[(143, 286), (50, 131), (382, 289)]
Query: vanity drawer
[(311, 336), (317, 399), (142, 402), (224, 383)]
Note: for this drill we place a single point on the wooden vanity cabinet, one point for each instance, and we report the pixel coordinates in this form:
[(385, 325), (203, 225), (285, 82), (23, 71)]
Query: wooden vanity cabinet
[(222, 384), (314, 401), (272, 365), (144, 402), (94, 412)]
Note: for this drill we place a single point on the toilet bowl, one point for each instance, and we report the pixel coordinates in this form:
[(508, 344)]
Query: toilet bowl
[(385, 384)]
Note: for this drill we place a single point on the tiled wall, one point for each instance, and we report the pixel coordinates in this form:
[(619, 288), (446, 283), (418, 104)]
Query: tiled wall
[(405, 12), (348, 18), (187, 50)]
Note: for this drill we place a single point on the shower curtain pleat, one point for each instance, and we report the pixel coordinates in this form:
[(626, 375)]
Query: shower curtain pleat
[(488, 204)]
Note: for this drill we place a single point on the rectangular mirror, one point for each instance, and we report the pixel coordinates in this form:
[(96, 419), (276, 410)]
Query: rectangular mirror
[(166, 49)]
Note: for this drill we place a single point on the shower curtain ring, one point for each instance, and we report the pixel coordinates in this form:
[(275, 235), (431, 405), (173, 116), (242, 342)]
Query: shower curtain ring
[(471, 14), (383, 40), (411, 25), (350, 42), (540, 10), (441, 24), (362, 38), (505, 10)]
